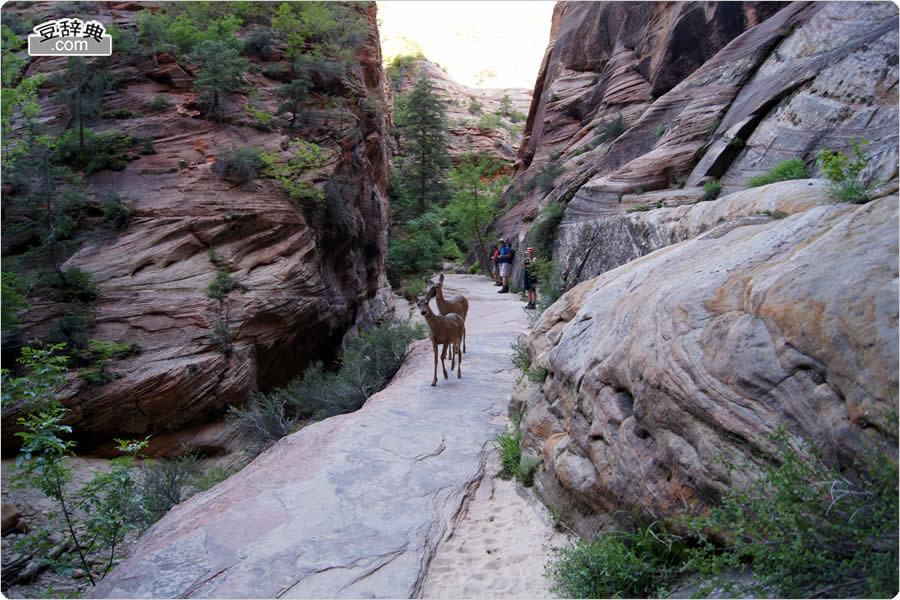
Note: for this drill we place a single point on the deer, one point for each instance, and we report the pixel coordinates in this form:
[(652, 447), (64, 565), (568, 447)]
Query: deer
[(457, 304), (444, 329)]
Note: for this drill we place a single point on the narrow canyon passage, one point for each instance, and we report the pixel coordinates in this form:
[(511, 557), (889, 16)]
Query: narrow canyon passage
[(352, 506)]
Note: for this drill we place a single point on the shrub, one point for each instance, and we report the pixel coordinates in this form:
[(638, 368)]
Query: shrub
[(221, 285), (608, 131), (164, 483), (71, 330), (711, 190), (222, 336), (99, 353), (489, 121), (618, 564), (73, 284), (543, 230), (551, 284), (160, 103), (292, 175), (258, 43), (660, 130), (507, 444), (528, 464), (417, 249), (794, 168), (239, 164), (520, 358), (844, 177), (544, 178), (807, 529), (116, 212), (101, 151), (262, 422), (475, 107), (366, 366)]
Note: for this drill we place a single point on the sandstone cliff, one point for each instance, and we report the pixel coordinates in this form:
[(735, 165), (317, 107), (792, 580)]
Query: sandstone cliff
[(692, 330), (301, 279)]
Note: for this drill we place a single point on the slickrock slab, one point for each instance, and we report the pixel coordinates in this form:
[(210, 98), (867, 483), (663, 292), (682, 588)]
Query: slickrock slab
[(352, 506)]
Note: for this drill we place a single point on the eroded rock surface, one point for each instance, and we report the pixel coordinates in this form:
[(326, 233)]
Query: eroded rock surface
[(699, 350), (769, 82), (301, 278)]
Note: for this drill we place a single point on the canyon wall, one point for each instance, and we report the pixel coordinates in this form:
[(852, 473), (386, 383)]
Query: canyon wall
[(302, 279), (692, 329)]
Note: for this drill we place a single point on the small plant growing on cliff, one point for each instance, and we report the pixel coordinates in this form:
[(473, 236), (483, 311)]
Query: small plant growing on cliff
[(223, 337), (221, 285), (711, 190), (293, 175), (239, 164), (794, 168), (100, 353), (843, 173)]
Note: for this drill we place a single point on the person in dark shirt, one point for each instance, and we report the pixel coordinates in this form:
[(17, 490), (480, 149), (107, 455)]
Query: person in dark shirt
[(529, 270)]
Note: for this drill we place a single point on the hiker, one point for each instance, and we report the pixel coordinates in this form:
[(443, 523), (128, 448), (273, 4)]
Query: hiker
[(529, 274), (505, 258), (495, 264)]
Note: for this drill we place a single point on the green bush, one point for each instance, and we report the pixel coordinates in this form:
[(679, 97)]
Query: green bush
[(711, 190), (239, 164), (366, 366), (551, 284), (608, 131), (73, 284), (508, 445), (417, 249), (844, 175), (160, 103), (221, 285), (528, 464), (544, 178), (543, 230), (807, 529), (163, 483), (619, 564), (258, 43), (116, 213), (262, 422), (107, 150), (475, 107), (794, 168), (98, 355), (223, 337)]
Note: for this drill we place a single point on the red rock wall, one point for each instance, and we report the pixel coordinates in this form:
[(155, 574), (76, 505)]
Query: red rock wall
[(302, 278)]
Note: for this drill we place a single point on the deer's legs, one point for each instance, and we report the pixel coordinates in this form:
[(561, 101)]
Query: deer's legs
[(464, 338), (458, 364), (434, 379)]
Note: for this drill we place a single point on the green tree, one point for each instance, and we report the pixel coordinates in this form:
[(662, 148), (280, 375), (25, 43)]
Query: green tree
[(473, 204), (506, 107), (222, 72), (152, 31), (422, 123), (82, 92), (295, 94)]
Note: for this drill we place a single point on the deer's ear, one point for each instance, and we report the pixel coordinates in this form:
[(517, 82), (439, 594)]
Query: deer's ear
[(441, 279)]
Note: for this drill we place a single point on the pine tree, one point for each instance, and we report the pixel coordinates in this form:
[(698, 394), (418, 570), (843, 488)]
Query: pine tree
[(422, 123), (222, 72), (82, 92)]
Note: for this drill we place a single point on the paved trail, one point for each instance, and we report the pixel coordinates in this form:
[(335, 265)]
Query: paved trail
[(353, 506)]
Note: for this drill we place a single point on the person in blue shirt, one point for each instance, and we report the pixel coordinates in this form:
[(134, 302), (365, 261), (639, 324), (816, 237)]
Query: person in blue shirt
[(506, 258)]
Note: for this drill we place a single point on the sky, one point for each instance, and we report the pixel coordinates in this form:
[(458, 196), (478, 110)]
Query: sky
[(478, 43)]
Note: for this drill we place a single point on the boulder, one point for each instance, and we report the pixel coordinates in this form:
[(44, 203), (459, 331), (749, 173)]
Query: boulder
[(696, 352)]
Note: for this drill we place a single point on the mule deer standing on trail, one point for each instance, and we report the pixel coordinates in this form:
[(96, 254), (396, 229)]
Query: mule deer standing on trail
[(447, 329), (457, 304)]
